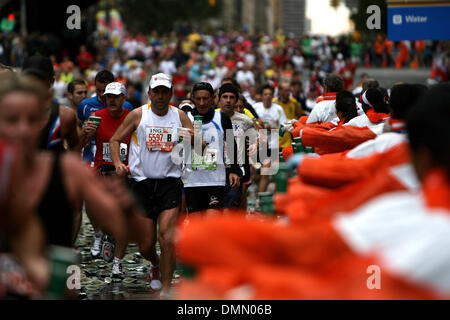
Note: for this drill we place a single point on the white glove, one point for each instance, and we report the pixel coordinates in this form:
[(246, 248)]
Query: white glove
[(295, 161), (288, 128)]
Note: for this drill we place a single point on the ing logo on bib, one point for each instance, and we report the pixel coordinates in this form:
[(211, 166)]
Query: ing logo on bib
[(159, 138)]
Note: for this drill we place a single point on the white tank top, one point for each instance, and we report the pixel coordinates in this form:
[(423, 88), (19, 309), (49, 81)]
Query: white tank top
[(151, 146), (212, 133)]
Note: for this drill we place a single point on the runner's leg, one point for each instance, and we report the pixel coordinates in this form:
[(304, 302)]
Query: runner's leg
[(142, 230), (167, 221)]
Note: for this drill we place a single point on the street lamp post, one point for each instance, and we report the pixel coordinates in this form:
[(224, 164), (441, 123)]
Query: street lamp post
[(23, 17)]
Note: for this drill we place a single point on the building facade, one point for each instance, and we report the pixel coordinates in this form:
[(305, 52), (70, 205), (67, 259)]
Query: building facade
[(265, 16)]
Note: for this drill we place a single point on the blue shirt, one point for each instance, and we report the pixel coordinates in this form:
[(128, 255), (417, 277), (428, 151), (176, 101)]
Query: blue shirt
[(85, 109)]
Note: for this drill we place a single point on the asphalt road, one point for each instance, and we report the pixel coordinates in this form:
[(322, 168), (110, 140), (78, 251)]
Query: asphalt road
[(387, 77)]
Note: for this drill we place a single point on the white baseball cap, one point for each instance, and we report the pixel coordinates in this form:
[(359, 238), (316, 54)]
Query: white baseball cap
[(186, 103), (115, 88), (161, 79)]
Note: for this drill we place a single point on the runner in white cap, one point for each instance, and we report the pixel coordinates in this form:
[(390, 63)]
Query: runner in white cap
[(156, 179), (110, 119)]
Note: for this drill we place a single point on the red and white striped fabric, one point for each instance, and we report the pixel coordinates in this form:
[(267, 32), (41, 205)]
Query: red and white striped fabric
[(405, 235)]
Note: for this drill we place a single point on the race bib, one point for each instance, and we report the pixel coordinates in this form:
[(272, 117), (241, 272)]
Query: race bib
[(107, 154), (159, 139), (206, 162)]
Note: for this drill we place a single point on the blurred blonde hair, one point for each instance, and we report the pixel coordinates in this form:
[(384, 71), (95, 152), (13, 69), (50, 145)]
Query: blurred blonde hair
[(13, 82)]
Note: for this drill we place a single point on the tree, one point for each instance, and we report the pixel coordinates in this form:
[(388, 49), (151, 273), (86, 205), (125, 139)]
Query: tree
[(161, 15)]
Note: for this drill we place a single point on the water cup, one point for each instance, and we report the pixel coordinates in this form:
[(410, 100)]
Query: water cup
[(281, 178), (281, 157), (298, 140), (281, 131), (96, 120), (297, 147), (309, 149), (266, 202)]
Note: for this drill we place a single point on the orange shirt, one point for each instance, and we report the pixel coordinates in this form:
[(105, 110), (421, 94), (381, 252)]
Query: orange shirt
[(341, 139), (379, 47), (419, 45)]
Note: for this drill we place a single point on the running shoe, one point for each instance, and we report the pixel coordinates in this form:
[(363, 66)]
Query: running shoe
[(97, 245), (165, 295), (155, 278), (117, 272)]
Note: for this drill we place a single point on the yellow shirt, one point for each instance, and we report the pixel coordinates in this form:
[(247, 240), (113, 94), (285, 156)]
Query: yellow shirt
[(293, 110)]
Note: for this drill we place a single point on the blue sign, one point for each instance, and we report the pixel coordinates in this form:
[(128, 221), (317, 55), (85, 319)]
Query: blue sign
[(419, 23)]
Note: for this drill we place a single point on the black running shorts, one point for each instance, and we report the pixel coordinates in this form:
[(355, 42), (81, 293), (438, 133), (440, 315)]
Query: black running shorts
[(157, 195), (202, 198)]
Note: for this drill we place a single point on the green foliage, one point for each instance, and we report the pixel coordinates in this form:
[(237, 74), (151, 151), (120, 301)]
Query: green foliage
[(162, 15)]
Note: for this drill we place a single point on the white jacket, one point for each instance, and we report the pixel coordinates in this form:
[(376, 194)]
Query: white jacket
[(382, 143), (325, 110), (411, 239), (363, 121)]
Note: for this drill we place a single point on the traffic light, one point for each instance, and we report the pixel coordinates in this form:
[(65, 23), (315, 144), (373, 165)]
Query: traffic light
[(8, 23)]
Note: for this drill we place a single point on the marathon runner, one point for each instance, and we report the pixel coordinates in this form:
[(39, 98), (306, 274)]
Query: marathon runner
[(93, 104), (243, 127), (205, 185), (87, 136), (156, 179), (61, 126), (76, 92), (273, 116), (56, 183)]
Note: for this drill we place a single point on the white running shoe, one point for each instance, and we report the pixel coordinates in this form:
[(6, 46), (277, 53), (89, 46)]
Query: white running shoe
[(97, 245), (117, 272), (155, 278)]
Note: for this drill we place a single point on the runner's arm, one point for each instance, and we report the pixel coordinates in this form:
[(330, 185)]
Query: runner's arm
[(128, 126), (23, 228), (227, 125), (69, 131), (103, 207), (88, 130)]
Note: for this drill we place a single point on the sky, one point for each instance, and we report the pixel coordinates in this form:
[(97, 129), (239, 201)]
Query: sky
[(327, 20)]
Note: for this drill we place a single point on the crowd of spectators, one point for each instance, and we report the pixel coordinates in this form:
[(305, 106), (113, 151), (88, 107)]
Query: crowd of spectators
[(251, 60)]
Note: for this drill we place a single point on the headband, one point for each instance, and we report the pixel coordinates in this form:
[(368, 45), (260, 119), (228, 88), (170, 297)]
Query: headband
[(364, 99)]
